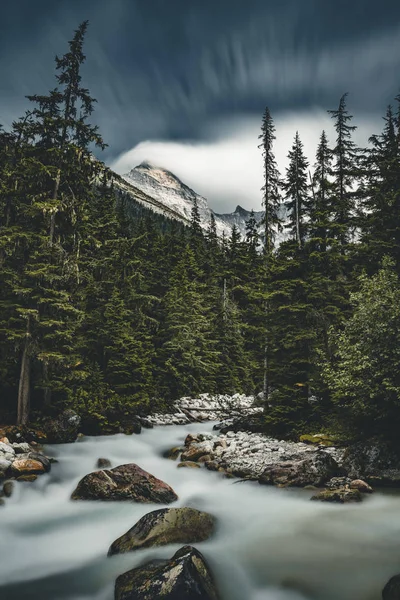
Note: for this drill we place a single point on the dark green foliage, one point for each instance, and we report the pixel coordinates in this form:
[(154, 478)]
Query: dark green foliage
[(364, 372)]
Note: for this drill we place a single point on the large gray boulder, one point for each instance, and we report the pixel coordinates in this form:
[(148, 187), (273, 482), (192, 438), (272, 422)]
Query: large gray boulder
[(186, 576), (374, 461), (126, 482), (315, 469), (166, 526)]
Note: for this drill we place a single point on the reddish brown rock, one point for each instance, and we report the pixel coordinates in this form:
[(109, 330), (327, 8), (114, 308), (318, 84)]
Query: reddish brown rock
[(126, 482), (361, 486), (26, 466)]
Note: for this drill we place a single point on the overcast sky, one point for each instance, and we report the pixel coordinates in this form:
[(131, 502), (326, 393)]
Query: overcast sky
[(184, 83)]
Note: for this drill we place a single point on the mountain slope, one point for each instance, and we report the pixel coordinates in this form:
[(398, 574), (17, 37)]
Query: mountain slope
[(163, 192)]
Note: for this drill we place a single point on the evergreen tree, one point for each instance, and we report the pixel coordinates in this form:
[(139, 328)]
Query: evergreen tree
[(295, 187), (320, 207), (344, 172), (270, 189), (380, 221)]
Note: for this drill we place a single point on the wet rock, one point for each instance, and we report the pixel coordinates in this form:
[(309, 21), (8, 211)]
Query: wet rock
[(7, 452), (21, 448), (196, 451), (26, 466), (126, 482), (173, 453), (391, 591), (314, 469), (189, 464), (166, 526), (134, 427), (103, 463), (341, 496), (31, 477), (192, 438), (212, 465), (8, 488), (375, 462), (361, 486), (42, 459), (186, 576), (146, 423), (205, 458), (4, 467), (337, 482), (62, 430)]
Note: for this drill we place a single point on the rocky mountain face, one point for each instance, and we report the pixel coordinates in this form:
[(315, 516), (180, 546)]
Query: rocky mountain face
[(161, 191)]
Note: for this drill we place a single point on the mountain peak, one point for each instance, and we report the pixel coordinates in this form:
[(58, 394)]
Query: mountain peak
[(170, 192), (239, 210)]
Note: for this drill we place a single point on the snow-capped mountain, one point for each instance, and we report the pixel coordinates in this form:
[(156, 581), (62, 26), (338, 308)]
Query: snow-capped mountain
[(165, 193)]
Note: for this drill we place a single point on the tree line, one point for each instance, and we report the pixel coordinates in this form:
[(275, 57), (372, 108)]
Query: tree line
[(105, 306)]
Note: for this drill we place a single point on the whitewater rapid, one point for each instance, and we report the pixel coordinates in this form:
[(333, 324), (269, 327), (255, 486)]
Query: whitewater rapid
[(271, 544)]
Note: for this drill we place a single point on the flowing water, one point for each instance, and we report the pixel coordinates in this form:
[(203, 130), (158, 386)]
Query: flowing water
[(270, 544)]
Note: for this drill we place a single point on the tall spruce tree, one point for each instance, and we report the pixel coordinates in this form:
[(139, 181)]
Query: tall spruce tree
[(271, 221), (345, 173), (296, 190)]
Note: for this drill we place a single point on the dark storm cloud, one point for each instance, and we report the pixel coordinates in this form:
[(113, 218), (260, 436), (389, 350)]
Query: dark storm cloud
[(167, 68)]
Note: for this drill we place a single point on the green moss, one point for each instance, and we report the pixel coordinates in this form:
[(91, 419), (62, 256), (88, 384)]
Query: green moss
[(319, 439)]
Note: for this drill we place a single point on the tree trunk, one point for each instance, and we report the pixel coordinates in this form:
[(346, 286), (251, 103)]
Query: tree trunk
[(24, 381), (47, 389)]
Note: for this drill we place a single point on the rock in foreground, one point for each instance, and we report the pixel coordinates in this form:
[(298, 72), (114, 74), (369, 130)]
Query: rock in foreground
[(185, 577), (391, 591), (166, 526), (126, 482)]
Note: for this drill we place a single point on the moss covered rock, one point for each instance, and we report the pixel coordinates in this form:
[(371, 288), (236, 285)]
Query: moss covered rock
[(166, 526), (319, 439), (341, 496)]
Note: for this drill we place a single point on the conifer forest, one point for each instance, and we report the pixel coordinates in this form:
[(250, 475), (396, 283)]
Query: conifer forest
[(107, 307)]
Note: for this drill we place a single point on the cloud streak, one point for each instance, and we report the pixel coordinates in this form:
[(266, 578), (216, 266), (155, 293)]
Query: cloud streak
[(227, 170)]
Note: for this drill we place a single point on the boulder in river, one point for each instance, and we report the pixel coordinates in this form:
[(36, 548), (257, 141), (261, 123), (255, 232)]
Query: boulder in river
[(4, 467), (189, 464), (197, 450), (26, 466), (374, 461), (8, 488), (314, 469), (342, 495), (126, 482), (166, 526), (361, 486), (186, 576), (391, 591)]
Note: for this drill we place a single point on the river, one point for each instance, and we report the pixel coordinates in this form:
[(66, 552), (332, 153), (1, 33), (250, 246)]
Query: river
[(270, 544)]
